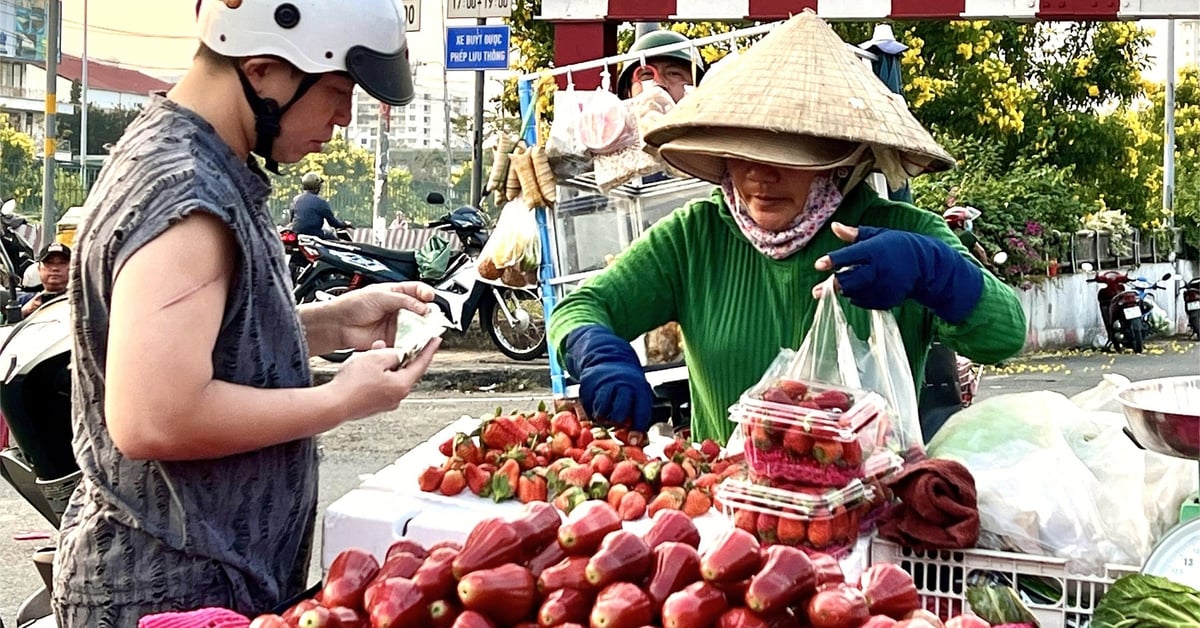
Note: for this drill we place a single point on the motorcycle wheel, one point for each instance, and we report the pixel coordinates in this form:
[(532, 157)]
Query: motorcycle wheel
[(1137, 340), (333, 286), (1194, 323), (523, 340)]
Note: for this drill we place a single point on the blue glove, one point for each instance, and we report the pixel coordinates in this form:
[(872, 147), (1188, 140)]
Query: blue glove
[(885, 266), (612, 385)]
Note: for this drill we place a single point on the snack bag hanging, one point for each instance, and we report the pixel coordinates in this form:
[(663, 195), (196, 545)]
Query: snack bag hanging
[(567, 154), (514, 250)]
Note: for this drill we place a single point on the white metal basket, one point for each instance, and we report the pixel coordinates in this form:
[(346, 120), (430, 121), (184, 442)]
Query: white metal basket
[(941, 578)]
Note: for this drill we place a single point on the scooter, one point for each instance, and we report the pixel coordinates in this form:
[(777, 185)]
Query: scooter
[(291, 248), (1154, 318), (1191, 305), (1121, 308), (512, 317), (35, 399)]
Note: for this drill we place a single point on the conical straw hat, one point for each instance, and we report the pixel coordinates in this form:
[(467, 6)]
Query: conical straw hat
[(795, 90)]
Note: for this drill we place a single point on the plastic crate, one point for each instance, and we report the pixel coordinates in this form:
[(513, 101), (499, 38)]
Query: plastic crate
[(941, 578)]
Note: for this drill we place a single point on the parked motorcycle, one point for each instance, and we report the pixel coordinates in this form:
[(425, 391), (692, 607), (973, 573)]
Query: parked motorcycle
[(1122, 309), (297, 262), (35, 399), (16, 262), (1191, 305), (512, 317)]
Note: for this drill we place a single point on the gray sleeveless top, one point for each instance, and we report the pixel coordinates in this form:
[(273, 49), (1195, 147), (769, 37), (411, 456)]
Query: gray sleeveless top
[(148, 533)]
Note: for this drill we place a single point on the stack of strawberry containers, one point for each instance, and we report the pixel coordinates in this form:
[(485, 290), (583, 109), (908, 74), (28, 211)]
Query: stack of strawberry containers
[(816, 453)]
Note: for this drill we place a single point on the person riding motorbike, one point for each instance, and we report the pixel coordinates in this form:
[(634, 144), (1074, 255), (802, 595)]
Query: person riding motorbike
[(961, 220), (675, 71), (52, 268), (194, 411), (310, 212)]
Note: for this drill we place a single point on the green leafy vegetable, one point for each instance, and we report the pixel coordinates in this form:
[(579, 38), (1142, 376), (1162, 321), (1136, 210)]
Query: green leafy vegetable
[(1147, 602), (997, 604)]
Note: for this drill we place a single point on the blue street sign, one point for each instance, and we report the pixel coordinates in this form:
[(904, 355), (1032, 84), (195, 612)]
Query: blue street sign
[(477, 47)]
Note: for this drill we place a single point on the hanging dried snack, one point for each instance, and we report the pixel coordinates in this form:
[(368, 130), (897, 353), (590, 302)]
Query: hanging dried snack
[(547, 182), (500, 163), (523, 163), (512, 186)]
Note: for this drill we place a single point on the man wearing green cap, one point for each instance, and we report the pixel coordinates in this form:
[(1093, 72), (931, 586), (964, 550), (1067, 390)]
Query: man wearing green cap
[(674, 70)]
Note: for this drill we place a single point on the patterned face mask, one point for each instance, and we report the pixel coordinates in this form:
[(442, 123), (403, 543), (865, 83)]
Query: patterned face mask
[(823, 200)]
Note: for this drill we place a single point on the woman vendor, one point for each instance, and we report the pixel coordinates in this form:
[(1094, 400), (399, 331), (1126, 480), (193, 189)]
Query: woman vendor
[(788, 134)]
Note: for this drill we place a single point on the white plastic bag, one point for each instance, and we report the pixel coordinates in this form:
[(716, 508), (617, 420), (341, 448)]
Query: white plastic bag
[(514, 248), (831, 352), (1058, 480), (567, 154), (606, 125)]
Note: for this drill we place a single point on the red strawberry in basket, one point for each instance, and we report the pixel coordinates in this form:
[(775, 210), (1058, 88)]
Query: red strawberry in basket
[(761, 435), (797, 440), (828, 452), (795, 389), (832, 400), (777, 395), (852, 453)]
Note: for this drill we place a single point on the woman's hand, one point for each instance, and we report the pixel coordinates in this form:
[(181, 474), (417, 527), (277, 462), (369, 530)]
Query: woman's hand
[(373, 381), (359, 318), (883, 267)]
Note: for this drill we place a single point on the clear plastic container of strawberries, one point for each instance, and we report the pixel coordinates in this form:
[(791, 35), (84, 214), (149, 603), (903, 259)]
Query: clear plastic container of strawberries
[(804, 432), (814, 519)]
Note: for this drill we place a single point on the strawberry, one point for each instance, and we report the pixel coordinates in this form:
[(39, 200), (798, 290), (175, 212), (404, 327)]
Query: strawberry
[(586, 437), (531, 488), (842, 525), (852, 453), (478, 480), (466, 449), (674, 448), (827, 452), (566, 422), (540, 421), (523, 455), (777, 395), (632, 506), (602, 464), (559, 444), (625, 472), (696, 503), (453, 483), (710, 449), (505, 481), (663, 501), (707, 481), (615, 493), (447, 448), (567, 500), (832, 400), (606, 446), (577, 475), (576, 454), (797, 440), (629, 452), (810, 404), (645, 489), (820, 532), (761, 436), (793, 388), (792, 531), (430, 479), (767, 528), (502, 433), (745, 520), (672, 474)]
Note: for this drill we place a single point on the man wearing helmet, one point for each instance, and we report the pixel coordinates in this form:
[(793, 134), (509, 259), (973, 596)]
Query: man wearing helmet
[(674, 71), (310, 212), (194, 412)]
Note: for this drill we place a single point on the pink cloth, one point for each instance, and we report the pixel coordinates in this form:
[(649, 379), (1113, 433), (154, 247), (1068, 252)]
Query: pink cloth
[(202, 618), (823, 200)]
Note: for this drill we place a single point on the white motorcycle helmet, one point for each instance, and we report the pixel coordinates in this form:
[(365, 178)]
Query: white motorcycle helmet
[(317, 36)]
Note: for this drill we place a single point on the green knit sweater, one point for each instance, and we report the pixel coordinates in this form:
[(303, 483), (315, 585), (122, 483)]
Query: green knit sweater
[(738, 308)]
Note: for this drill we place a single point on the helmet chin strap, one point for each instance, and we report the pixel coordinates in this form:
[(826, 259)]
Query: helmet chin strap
[(268, 114)]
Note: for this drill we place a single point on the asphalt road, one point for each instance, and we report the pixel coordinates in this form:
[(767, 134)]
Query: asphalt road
[(368, 445)]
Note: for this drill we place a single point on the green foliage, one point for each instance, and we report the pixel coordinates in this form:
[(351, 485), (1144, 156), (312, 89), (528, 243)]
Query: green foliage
[(20, 173), (105, 126)]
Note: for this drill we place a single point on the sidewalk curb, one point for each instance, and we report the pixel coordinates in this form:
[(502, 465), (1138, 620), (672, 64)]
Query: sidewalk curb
[(464, 371)]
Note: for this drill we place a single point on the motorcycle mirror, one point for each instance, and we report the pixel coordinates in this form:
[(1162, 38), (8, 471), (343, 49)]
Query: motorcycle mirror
[(1086, 267), (1168, 276), (435, 198), (1000, 257), (9, 206)]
